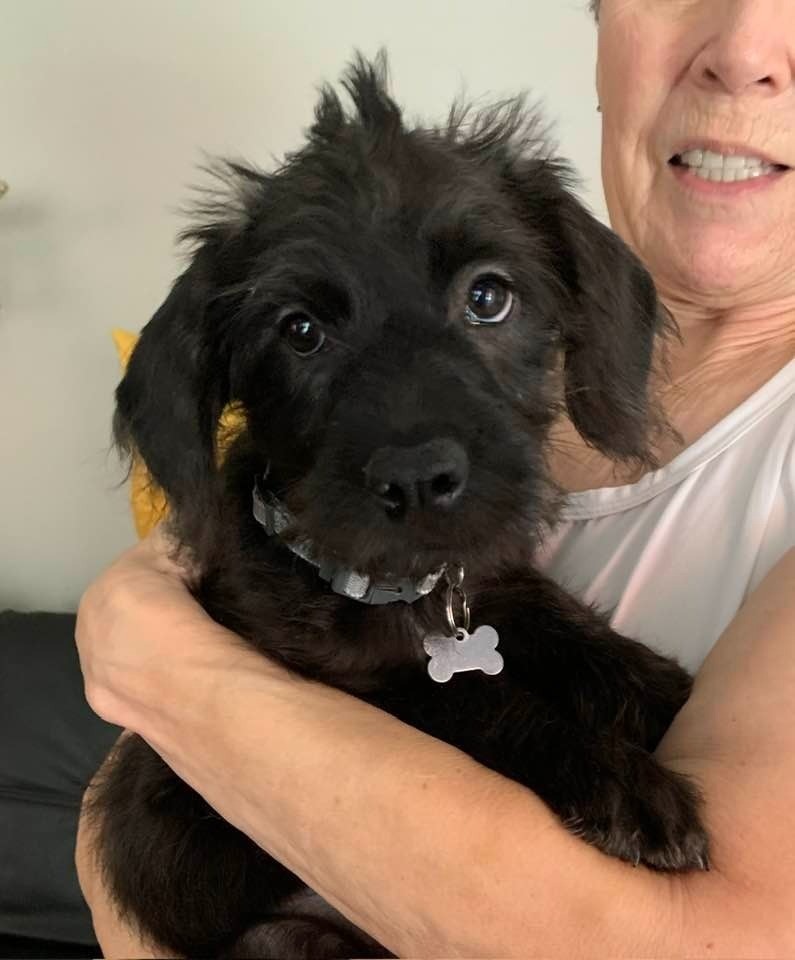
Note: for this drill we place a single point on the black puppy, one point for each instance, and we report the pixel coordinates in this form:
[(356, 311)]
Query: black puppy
[(400, 313)]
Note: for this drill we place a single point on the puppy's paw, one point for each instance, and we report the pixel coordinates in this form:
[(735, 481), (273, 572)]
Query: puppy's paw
[(645, 814)]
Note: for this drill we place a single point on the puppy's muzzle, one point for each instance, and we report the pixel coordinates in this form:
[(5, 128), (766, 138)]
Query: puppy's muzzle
[(428, 476)]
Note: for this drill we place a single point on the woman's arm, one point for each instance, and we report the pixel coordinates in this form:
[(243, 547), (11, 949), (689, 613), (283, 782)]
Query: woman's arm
[(423, 848), (736, 735)]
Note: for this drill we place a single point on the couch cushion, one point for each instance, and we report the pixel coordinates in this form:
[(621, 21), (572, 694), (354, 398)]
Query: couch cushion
[(51, 744)]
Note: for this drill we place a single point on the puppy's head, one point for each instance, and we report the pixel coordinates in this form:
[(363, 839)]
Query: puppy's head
[(398, 310)]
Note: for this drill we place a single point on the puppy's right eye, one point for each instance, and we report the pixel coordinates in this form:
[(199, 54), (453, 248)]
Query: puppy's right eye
[(303, 333)]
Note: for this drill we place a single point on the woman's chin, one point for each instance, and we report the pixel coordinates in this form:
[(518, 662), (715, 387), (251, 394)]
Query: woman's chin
[(723, 265)]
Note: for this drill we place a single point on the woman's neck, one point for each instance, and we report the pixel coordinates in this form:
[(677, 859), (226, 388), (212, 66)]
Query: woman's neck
[(720, 361), (728, 335)]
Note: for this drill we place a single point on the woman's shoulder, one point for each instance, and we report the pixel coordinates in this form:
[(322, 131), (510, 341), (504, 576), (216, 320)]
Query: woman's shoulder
[(673, 556), (757, 438)]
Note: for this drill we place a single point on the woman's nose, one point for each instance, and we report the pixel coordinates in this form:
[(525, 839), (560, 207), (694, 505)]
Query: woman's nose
[(749, 48)]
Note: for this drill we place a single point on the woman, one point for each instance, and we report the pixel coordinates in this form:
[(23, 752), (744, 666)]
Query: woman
[(698, 557)]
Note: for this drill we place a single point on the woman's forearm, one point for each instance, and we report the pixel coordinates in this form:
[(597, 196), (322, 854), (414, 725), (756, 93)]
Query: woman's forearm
[(428, 851)]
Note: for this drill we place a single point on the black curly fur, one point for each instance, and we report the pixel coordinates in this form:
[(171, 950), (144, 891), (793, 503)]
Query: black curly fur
[(377, 230)]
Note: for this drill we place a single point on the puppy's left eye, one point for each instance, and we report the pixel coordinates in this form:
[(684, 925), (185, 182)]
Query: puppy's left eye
[(489, 300), (302, 332)]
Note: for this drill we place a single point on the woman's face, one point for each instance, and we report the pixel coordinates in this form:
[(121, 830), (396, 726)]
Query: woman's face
[(698, 112)]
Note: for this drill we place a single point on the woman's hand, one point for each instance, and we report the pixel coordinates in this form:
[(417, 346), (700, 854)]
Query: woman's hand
[(136, 625)]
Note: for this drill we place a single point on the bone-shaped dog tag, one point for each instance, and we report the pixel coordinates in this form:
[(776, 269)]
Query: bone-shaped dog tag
[(451, 655)]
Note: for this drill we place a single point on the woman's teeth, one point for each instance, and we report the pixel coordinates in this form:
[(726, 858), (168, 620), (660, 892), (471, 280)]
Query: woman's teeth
[(724, 168)]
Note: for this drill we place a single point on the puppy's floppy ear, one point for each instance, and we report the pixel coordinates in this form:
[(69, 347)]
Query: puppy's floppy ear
[(611, 317), (169, 401), (610, 335)]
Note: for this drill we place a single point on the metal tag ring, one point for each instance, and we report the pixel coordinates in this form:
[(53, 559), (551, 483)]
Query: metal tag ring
[(456, 586)]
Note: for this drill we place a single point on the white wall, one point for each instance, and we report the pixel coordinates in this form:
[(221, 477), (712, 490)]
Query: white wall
[(105, 106)]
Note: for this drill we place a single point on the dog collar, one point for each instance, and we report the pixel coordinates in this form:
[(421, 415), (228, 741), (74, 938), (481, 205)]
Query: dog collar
[(274, 517)]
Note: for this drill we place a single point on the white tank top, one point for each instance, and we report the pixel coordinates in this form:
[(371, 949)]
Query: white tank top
[(672, 557)]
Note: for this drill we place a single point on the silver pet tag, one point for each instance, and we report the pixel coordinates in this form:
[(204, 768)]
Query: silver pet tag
[(463, 652)]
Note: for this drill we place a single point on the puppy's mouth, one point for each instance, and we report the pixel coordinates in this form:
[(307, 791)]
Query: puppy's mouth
[(368, 542), (357, 549)]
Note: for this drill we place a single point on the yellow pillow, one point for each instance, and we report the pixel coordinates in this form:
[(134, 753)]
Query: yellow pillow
[(147, 500)]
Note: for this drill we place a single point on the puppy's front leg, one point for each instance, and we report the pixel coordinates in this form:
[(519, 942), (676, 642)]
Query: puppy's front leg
[(608, 701), (566, 650), (574, 715), (181, 876)]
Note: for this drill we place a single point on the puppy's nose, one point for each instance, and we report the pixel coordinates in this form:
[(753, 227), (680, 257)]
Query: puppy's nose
[(432, 476)]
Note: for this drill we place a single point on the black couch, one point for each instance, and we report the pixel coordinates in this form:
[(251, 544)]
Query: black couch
[(50, 746)]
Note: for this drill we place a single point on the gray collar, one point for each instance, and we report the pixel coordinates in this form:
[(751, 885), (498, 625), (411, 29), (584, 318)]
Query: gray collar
[(274, 517)]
